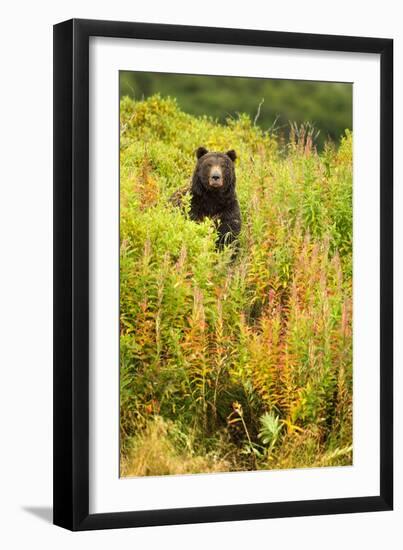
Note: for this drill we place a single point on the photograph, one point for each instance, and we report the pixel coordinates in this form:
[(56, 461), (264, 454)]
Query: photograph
[(235, 274), (200, 284)]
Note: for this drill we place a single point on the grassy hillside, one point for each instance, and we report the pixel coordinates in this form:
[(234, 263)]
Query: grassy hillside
[(233, 366), (328, 105)]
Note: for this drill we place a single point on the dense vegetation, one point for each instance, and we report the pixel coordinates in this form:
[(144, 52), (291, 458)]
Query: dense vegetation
[(327, 105), (233, 365)]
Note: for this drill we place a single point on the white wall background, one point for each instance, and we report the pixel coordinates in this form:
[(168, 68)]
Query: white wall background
[(26, 273)]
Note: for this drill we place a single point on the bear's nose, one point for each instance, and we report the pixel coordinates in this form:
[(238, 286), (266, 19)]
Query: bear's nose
[(216, 176)]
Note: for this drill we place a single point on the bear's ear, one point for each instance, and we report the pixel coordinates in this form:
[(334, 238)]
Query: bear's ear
[(231, 154), (201, 151)]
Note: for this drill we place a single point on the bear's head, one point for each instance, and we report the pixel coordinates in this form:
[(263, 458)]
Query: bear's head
[(214, 171)]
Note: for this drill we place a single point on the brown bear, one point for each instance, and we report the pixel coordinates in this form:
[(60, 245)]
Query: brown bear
[(213, 193)]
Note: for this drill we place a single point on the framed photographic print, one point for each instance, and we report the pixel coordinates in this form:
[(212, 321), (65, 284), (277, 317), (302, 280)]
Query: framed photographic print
[(223, 237)]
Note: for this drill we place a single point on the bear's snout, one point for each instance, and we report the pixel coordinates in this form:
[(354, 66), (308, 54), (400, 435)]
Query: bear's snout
[(216, 179)]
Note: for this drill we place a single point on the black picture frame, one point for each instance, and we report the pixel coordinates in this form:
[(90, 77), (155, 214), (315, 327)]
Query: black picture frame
[(71, 274)]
